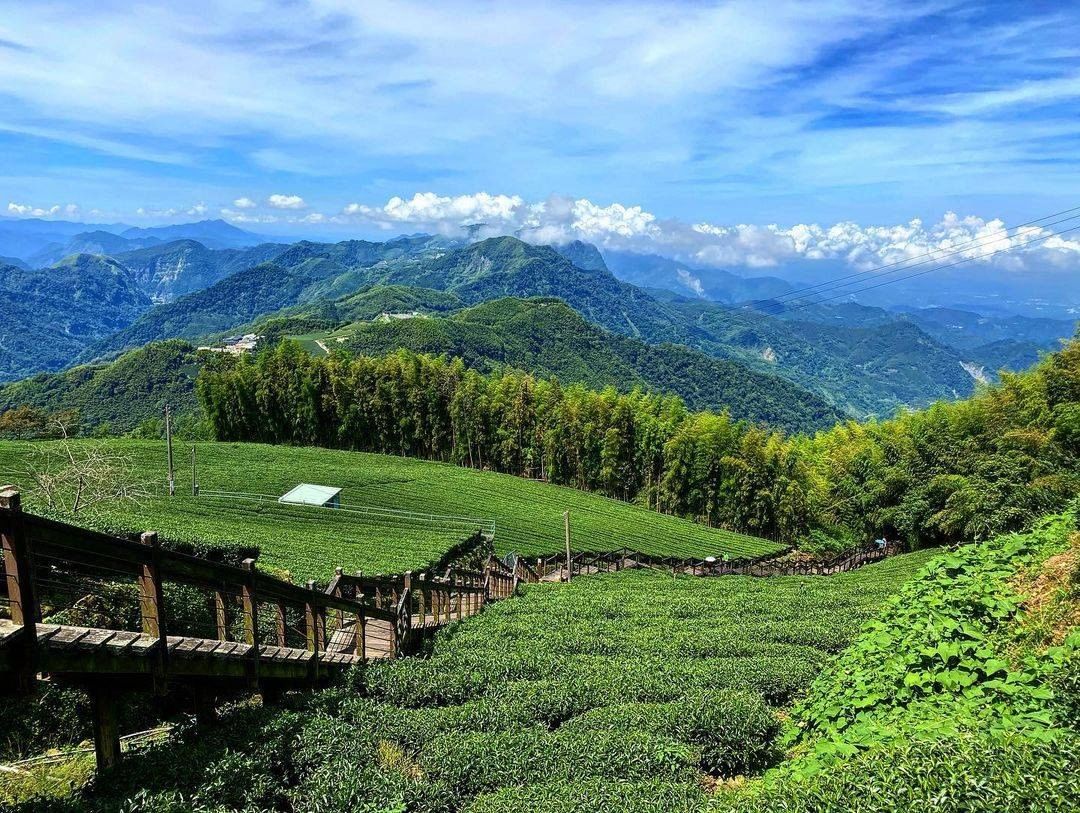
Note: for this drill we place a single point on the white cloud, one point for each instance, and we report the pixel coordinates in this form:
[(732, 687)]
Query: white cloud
[(234, 216), (285, 202), (244, 203), (26, 210), (198, 210), (631, 228)]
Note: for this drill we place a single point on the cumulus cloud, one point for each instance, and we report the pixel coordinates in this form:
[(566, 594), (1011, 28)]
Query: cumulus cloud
[(234, 216), (560, 219), (244, 203), (286, 202), (27, 210), (442, 213)]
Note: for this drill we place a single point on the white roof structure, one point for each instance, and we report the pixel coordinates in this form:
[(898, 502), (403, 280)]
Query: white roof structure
[(308, 494)]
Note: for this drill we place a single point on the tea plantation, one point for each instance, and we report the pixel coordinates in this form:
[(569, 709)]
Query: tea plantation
[(310, 542), (632, 687)]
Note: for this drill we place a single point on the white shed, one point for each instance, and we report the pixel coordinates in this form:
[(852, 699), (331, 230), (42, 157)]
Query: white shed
[(308, 494)]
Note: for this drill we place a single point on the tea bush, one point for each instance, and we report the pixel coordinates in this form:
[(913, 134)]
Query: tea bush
[(611, 689)]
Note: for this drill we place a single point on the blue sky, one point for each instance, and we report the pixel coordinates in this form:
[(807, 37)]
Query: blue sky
[(311, 117)]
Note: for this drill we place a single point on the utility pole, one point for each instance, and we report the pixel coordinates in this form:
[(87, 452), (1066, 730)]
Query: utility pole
[(566, 528), (168, 443), (194, 481)]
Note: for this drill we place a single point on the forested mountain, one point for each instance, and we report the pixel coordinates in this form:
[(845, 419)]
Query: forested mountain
[(995, 342), (836, 363), (51, 240), (861, 360), (654, 271), (956, 471), (91, 242), (166, 271), (47, 317), (301, 273), (211, 233), (114, 397), (547, 338)]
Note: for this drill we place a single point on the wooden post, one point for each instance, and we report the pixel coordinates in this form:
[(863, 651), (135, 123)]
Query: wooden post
[(359, 645), (566, 530), (251, 621), (425, 600), (318, 635), (407, 579), (460, 597), (539, 569), (106, 729), (447, 599), (309, 625), (281, 624), (220, 619), (18, 568), (339, 614), (152, 606)]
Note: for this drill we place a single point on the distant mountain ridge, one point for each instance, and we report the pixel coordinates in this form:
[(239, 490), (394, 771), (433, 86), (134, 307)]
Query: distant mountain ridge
[(47, 317), (835, 363), (43, 242), (861, 360), (547, 338)]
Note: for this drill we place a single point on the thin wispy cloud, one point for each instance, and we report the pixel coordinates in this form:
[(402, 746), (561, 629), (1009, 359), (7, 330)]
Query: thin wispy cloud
[(715, 112)]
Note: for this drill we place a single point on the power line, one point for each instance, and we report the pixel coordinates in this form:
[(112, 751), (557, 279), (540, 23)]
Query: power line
[(954, 249), (808, 303)]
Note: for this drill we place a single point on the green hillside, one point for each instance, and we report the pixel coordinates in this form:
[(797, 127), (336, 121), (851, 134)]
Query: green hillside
[(174, 269), (47, 317), (310, 542), (117, 396), (868, 371), (547, 338), (628, 693)]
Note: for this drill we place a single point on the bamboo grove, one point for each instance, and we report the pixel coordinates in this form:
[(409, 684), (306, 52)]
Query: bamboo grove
[(959, 470)]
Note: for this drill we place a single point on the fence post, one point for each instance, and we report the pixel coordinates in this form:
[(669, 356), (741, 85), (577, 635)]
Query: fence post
[(360, 644), (447, 600), (251, 621), (106, 728), (152, 606), (337, 594), (456, 582), (282, 626), (221, 623), (18, 568), (316, 630), (407, 581)]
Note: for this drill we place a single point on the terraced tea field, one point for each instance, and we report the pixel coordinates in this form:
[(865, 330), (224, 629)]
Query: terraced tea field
[(310, 542), (630, 687)]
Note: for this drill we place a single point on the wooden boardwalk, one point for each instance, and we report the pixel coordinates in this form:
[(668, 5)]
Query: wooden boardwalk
[(115, 615)]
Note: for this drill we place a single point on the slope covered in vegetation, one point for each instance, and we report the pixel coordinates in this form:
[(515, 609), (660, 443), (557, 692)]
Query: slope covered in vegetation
[(546, 338), (955, 471), (310, 542), (108, 398), (634, 685), (963, 695)]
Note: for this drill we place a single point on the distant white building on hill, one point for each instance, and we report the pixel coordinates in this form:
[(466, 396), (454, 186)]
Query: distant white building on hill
[(387, 316), (236, 345)]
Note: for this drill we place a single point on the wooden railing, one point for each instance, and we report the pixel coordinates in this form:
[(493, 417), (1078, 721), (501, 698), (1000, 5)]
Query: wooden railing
[(555, 566), (178, 596)]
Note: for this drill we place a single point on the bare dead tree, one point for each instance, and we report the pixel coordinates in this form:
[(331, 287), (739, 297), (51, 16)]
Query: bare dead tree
[(72, 477)]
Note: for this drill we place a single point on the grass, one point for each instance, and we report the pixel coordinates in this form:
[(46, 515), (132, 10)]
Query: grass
[(310, 542), (624, 691)]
